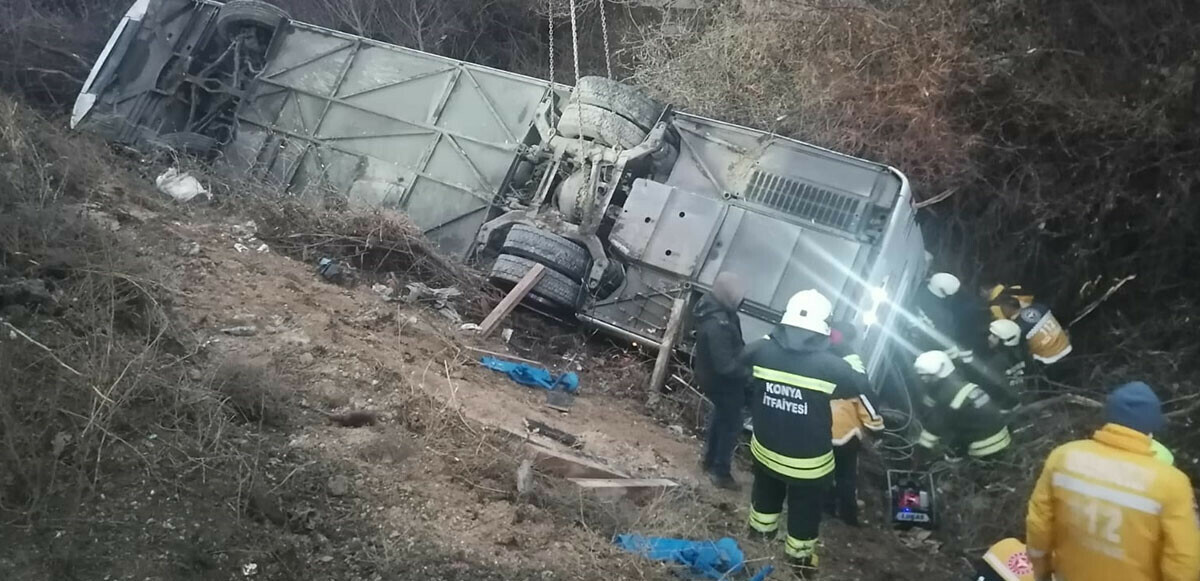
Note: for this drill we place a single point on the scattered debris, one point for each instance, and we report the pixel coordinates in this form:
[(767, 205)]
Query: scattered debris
[(712, 559), (450, 314), (510, 301), (241, 331), (553, 433), (468, 327), (250, 569), (439, 297), (506, 335), (526, 374), (245, 231), (675, 429), (339, 486), (919, 539), (333, 271), (384, 291), (180, 185), (420, 292)]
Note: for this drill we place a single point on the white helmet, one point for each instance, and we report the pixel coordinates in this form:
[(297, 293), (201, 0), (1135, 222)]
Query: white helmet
[(1008, 332), (934, 363), (943, 284), (808, 309)]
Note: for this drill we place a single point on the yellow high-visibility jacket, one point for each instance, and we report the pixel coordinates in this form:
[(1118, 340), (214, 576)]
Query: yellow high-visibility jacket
[(851, 416), (1106, 508), (1008, 560)]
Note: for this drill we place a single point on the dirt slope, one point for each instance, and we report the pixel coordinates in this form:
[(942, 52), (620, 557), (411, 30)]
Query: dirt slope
[(266, 486), (349, 349)]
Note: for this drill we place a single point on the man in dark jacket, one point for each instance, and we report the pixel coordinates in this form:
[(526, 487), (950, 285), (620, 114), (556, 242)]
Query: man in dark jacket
[(796, 375), (958, 413), (1001, 369), (721, 375), (943, 321)]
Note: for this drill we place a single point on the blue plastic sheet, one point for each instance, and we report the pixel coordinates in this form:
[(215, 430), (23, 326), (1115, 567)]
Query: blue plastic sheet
[(533, 376), (719, 559)]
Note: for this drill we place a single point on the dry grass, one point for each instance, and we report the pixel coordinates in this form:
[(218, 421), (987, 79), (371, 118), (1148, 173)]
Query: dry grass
[(252, 392)]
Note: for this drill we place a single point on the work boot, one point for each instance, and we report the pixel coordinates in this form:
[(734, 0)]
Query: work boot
[(804, 567), (724, 481), (759, 536)]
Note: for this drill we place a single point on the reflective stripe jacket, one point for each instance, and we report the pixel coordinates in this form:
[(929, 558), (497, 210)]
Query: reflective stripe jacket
[(1105, 508), (796, 375), (852, 416), (1001, 373), (1005, 301), (1047, 339), (964, 416)]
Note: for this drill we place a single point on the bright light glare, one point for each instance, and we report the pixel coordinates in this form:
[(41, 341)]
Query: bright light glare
[(878, 294), (870, 318)]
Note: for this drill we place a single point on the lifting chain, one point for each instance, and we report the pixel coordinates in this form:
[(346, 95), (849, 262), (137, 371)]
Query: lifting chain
[(550, 18), (604, 30), (575, 40)]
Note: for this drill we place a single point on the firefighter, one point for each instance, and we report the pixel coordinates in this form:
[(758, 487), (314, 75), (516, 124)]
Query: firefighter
[(1004, 561), (1004, 301), (943, 321), (1001, 371), (796, 375), (852, 418), (1047, 340), (721, 375), (958, 412), (1106, 508)]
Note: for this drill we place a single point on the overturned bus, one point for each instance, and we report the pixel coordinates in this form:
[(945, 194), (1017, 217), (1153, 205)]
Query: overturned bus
[(630, 205)]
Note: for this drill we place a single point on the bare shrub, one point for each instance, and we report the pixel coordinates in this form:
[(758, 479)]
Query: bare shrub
[(874, 82), (373, 241), (88, 359), (501, 33), (47, 46), (252, 392)]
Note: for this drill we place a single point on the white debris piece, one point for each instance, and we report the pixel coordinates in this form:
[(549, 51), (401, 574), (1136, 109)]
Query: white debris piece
[(180, 185)]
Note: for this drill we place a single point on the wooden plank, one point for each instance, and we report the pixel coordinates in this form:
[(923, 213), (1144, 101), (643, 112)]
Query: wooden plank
[(569, 465), (637, 489), (565, 438), (663, 364), (502, 355), (510, 300), (624, 482)]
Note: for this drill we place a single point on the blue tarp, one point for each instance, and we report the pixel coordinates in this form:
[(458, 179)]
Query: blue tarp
[(533, 376), (719, 559)]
